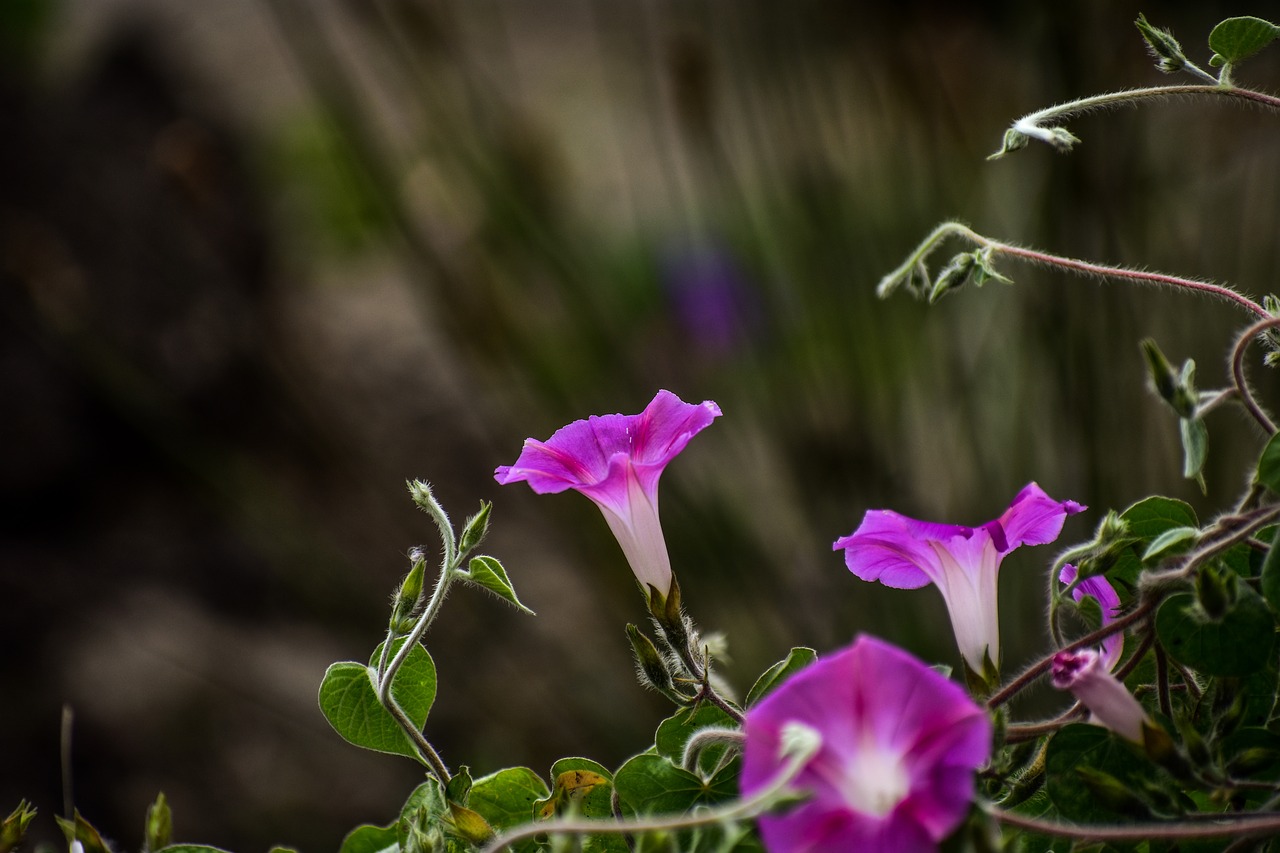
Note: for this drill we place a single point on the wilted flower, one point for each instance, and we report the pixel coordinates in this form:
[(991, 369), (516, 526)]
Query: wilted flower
[(1109, 701), (616, 461), (1102, 592), (895, 771), (961, 561)]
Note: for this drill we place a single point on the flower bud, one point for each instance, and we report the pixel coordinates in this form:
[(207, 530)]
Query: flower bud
[(1110, 703), (159, 829), (475, 529), (1216, 590), (650, 667)]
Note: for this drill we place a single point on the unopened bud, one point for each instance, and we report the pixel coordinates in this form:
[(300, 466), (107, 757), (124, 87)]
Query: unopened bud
[(1113, 793), (475, 529), (1216, 590), (650, 667), (159, 830)]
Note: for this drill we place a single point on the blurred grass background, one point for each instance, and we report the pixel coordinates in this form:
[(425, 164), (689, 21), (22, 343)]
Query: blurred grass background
[(263, 260)]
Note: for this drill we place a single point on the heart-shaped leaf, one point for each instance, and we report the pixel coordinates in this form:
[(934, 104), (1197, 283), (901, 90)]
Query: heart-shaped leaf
[(349, 701)]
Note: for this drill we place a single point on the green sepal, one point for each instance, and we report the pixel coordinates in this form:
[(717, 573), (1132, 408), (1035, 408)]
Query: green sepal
[(78, 829), (408, 595), (349, 701), (797, 659), (158, 831), (488, 573), (469, 824), (14, 827)]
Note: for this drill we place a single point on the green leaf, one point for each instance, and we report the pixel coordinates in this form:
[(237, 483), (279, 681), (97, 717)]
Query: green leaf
[(371, 839), (349, 701), (1269, 465), (1271, 575), (1195, 449), (1099, 751), (507, 798), (488, 573), (674, 732), (1150, 517), (1176, 540), (797, 659), (1236, 39), (1237, 644), (650, 784)]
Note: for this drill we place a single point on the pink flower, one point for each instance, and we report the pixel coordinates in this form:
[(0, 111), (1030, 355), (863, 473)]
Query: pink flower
[(894, 773), (961, 561), (1110, 702), (616, 461), (1102, 592)]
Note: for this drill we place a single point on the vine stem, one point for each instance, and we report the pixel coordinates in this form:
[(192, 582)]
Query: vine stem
[(1237, 371), (1233, 826), (1033, 124), (952, 228), (740, 810)]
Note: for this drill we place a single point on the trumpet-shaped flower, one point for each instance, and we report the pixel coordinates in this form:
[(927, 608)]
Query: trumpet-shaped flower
[(1102, 592), (894, 773), (962, 562), (1109, 702), (616, 461)]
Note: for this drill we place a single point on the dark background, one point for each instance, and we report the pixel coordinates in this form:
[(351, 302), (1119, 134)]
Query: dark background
[(261, 261)]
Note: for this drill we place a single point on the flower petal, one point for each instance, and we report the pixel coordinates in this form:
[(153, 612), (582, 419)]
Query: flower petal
[(1033, 518), (1108, 600), (875, 706)]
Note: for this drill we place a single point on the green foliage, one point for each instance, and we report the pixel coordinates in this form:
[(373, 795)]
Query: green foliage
[(796, 660), (1236, 39), (487, 573), (349, 700), (1236, 644)]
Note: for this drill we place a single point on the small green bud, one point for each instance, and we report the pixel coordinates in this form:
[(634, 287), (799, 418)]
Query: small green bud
[(459, 787), (1111, 542), (159, 830), (1163, 377), (1161, 749), (470, 824), (953, 276), (1250, 761), (1013, 140), (1216, 590), (410, 591), (1193, 743), (650, 668), (1163, 46), (475, 529), (1229, 706), (421, 494), (14, 828)]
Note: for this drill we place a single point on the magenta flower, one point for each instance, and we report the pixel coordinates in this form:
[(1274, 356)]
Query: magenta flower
[(1109, 702), (961, 561), (1102, 592), (616, 461), (894, 773)]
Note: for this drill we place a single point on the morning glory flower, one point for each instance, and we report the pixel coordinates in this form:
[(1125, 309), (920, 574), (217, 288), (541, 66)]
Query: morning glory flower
[(1109, 702), (961, 561), (1102, 592), (616, 461), (895, 771)]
